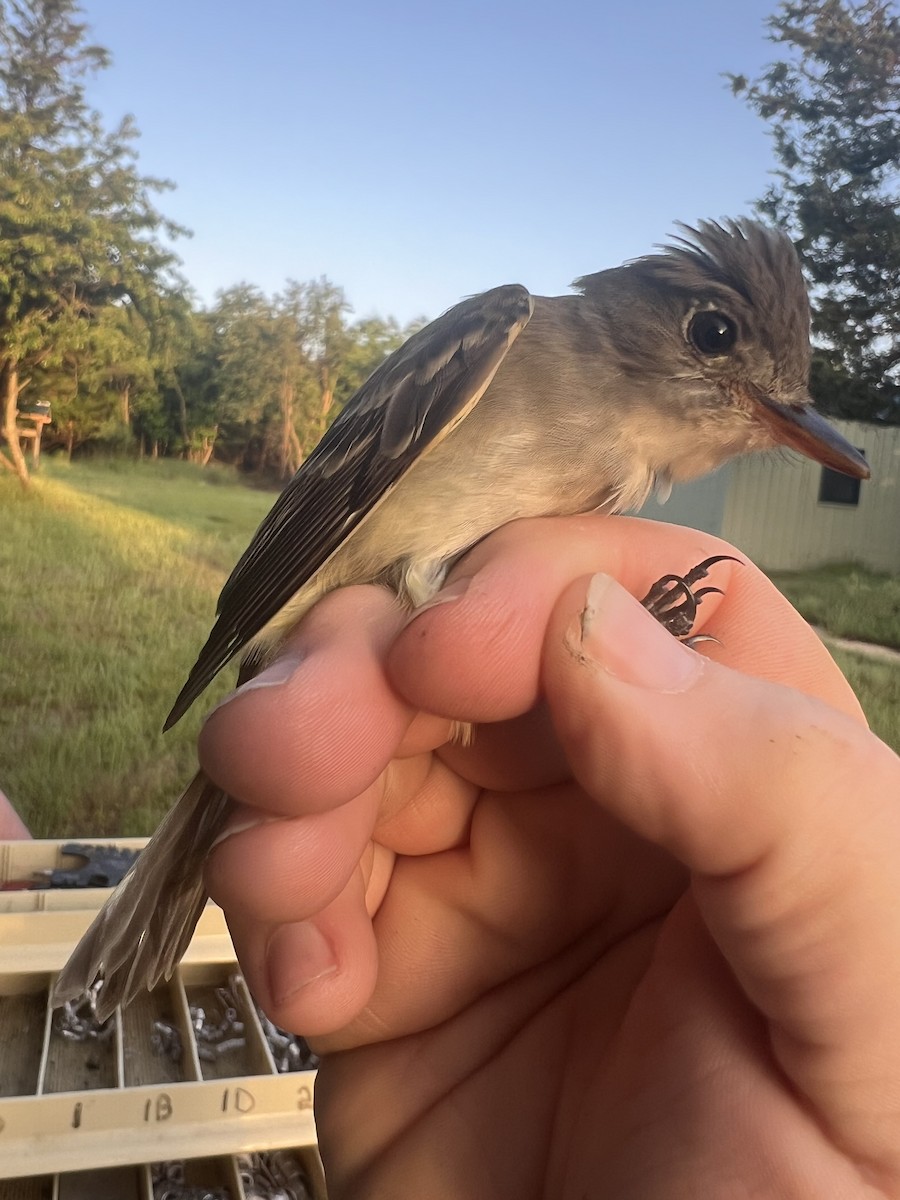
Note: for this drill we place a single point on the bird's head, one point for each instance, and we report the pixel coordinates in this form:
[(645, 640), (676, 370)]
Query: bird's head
[(717, 325)]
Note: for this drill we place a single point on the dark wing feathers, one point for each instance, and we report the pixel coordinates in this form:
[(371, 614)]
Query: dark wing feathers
[(404, 407)]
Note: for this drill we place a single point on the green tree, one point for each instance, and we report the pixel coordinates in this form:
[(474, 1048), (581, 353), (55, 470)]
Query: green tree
[(78, 230), (100, 381), (183, 351), (833, 104), (256, 366), (279, 360), (319, 311), (285, 366)]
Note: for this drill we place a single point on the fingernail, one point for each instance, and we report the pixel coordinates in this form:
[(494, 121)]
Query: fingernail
[(297, 955), (620, 635), (274, 676), (242, 819), (453, 591)]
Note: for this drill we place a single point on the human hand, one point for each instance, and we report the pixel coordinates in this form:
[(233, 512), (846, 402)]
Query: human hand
[(640, 939), (12, 827)]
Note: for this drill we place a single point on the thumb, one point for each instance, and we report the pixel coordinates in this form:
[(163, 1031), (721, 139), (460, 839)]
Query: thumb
[(785, 812)]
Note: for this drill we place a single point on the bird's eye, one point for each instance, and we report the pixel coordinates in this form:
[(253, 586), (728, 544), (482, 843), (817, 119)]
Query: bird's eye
[(711, 333)]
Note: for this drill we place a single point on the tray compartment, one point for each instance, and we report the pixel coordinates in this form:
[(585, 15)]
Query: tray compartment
[(81, 1054), (107, 1183), (38, 1187), (217, 1176), (225, 1027), (156, 1038), (23, 1017), (82, 1115)]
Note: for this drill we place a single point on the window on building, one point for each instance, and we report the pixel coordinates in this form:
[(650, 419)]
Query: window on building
[(835, 488)]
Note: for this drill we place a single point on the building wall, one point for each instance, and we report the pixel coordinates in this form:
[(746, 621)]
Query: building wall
[(773, 513), (700, 505), (768, 506)]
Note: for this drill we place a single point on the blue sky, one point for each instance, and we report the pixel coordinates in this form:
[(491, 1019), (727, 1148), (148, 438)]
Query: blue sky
[(419, 152)]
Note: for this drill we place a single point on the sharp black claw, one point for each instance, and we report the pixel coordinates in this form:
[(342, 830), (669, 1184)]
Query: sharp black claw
[(707, 591), (673, 601), (696, 638), (702, 569)]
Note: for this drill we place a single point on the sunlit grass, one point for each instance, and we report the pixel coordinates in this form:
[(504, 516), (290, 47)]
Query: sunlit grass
[(847, 600), (103, 607), (878, 686)]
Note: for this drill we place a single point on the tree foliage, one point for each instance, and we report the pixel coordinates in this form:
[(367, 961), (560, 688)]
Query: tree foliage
[(94, 317), (833, 104), (78, 230), (283, 366)]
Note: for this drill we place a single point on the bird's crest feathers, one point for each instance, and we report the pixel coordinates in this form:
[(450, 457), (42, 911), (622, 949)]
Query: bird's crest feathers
[(753, 265)]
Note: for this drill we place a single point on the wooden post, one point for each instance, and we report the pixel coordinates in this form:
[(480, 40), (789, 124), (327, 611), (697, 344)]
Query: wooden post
[(39, 423), (23, 434), (32, 435)]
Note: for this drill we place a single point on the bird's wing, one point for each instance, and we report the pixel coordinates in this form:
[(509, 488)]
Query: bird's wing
[(413, 400)]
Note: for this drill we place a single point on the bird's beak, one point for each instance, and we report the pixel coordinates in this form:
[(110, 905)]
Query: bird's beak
[(799, 426)]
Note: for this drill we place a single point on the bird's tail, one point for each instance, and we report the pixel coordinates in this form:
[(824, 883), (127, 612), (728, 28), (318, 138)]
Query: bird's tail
[(144, 928)]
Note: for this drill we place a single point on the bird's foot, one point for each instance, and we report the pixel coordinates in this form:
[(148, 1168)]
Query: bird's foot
[(674, 602)]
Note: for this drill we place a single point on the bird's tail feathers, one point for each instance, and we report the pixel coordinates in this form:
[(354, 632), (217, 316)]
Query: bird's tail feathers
[(143, 929)]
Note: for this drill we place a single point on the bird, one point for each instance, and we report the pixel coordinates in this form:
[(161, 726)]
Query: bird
[(509, 405)]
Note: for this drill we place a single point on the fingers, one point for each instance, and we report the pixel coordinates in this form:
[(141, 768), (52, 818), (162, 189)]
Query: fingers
[(492, 631), (286, 870), (338, 742), (786, 812), (319, 726), (313, 975), (312, 743), (12, 827)]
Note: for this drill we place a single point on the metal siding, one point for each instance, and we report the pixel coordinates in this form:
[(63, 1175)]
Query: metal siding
[(773, 514), (700, 505)]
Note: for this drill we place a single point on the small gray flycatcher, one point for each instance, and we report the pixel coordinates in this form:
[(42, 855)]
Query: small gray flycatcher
[(509, 405)]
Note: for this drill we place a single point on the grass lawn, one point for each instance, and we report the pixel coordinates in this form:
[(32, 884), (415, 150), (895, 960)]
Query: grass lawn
[(846, 600), (878, 686), (110, 573), (849, 601)]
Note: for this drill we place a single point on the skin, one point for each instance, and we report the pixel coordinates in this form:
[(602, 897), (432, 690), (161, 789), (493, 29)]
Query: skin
[(12, 827), (639, 940)]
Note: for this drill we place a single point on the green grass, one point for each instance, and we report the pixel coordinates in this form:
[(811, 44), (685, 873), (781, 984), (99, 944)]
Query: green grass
[(877, 684), (210, 501), (109, 581), (110, 573), (847, 600)]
